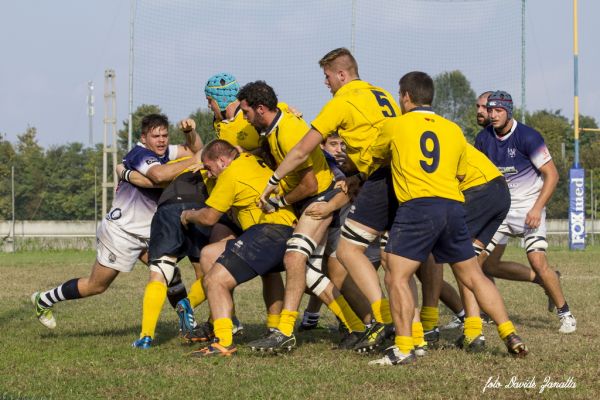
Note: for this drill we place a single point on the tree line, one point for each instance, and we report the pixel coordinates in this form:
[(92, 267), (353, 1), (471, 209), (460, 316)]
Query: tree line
[(64, 182)]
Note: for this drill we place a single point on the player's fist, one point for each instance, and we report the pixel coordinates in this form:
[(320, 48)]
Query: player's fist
[(187, 125)]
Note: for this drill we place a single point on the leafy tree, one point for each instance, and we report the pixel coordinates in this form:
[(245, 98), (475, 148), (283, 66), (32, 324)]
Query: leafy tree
[(30, 170), (70, 183), (455, 100), (7, 155), (204, 124)]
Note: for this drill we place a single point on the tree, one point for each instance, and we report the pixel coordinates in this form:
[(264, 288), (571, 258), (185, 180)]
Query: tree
[(7, 155), (204, 124), (30, 180), (70, 182), (455, 100)]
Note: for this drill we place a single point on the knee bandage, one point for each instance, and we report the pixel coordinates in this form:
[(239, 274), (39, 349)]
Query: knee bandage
[(356, 235), (535, 243), (384, 239), (478, 249), (316, 280), (166, 266), (302, 244)]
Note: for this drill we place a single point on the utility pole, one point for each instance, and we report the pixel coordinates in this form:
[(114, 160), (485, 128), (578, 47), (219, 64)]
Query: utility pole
[(91, 111), (110, 133)]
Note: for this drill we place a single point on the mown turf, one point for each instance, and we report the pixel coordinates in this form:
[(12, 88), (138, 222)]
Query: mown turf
[(88, 355)]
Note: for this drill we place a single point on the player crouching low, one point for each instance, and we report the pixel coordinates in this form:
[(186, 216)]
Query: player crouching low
[(257, 251)]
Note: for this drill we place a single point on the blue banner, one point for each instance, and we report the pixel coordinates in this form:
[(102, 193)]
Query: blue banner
[(577, 209)]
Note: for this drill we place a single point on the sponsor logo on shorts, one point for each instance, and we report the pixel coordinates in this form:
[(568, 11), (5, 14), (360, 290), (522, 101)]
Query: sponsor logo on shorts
[(112, 258), (239, 244)]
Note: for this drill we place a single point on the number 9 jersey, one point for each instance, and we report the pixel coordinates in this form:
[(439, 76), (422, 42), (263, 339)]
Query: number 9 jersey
[(428, 152)]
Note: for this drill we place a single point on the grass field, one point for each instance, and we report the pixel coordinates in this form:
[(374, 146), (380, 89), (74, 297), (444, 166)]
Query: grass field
[(88, 355)]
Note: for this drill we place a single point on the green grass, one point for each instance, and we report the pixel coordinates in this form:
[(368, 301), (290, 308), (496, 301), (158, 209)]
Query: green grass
[(89, 356)]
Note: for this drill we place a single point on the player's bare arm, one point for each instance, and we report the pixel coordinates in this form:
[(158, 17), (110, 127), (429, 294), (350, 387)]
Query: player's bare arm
[(206, 216), (193, 143), (165, 173), (322, 209), (550, 177), (135, 178), (297, 155)]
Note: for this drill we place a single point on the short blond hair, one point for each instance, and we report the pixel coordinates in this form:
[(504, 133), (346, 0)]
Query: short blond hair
[(340, 58)]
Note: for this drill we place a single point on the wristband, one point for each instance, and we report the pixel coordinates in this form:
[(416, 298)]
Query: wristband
[(274, 202), (282, 202), (274, 180), (126, 175)]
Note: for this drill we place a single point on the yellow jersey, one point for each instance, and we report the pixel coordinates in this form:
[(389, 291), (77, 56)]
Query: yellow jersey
[(357, 112), (285, 132), (427, 153), (480, 169), (239, 132), (238, 188)]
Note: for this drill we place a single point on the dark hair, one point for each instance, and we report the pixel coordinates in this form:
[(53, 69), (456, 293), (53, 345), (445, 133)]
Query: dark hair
[(258, 93), (218, 148), (152, 121), (419, 87)]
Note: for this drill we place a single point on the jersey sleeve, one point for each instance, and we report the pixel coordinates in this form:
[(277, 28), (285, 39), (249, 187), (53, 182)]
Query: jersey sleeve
[(222, 196), (330, 118), (535, 148), (141, 161)]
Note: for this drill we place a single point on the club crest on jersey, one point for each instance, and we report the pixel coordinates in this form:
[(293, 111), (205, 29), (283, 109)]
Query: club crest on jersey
[(114, 214), (512, 152)]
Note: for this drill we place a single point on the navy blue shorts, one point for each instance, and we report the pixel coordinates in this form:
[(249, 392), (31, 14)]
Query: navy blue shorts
[(486, 207), (376, 204), (169, 237), (258, 251), (431, 225)]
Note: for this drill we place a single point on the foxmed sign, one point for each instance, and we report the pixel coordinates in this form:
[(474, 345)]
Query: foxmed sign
[(576, 209)]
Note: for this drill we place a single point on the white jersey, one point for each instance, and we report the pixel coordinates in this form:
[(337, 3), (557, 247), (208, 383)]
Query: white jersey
[(133, 207), (518, 155)]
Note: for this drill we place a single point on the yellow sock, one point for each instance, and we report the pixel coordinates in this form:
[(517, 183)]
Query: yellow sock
[(381, 311), (154, 298), (505, 329), (404, 344), (429, 317), (287, 321), (273, 320), (344, 312), (196, 294), (224, 331), (418, 336), (473, 327)]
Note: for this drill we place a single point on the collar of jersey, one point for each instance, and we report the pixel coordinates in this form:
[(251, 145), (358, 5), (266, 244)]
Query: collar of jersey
[(424, 109), (274, 124), (509, 134), (350, 86)]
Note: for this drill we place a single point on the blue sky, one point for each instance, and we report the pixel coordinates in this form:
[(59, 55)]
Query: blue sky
[(50, 50)]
